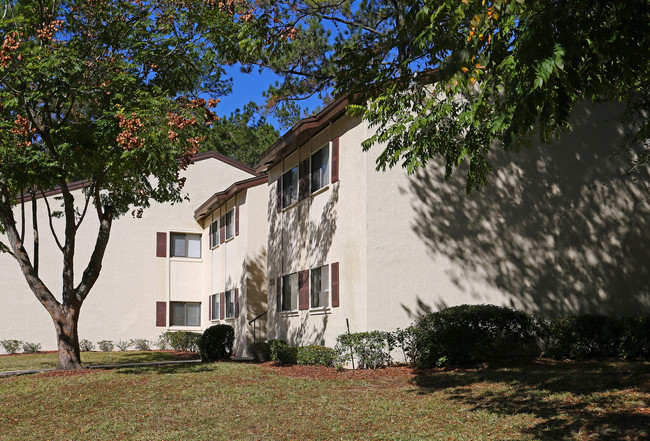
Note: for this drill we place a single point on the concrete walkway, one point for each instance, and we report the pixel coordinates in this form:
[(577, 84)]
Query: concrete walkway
[(102, 366)]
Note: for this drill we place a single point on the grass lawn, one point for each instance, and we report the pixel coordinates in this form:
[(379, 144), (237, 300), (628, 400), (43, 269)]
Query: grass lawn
[(536, 400), (20, 362)]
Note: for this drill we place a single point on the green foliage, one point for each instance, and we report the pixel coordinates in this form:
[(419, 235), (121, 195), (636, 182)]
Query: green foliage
[(405, 340), (141, 344), (283, 353), (260, 351), (371, 350), (162, 343), (634, 341), (123, 345), (476, 333), (216, 343), (243, 135), (106, 345), (450, 80), (86, 345), (11, 346), (585, 336), (315, 354), (185, 341), (31, 348)]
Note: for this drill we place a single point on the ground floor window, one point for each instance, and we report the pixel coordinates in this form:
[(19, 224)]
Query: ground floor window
[(215, 307), (185, 313), (230, 304), (290, 292), (320, 287)]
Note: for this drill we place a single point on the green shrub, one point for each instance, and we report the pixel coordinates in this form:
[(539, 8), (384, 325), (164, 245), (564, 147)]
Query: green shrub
[(105, 345), (371, 350), (186, 341), (260, 351), (86, 345), (404, 339), (634, 341), (216, 342), (31, 348), (123, 345), (584, 336), (283, 353), (141, 344), (11, 346), (476, 333), (318, 355), (162, 343)]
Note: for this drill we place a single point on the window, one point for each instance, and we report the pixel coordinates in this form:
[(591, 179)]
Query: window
[(214, 233), (290, 187), (185, 245), (290, 292), (320, 287), (230, 303), (185, 314), (215, 307), (320, 169), (230, 224)]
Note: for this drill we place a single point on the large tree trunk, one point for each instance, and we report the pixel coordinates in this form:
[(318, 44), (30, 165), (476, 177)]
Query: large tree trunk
[(67, 339)]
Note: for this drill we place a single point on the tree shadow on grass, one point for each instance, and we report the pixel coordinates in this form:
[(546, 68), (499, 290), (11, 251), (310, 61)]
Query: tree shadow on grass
[(596, 401)]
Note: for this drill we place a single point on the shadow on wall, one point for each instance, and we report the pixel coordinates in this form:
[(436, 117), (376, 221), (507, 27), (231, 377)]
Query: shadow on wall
[(560, 229), (254, 278), (310, 246)]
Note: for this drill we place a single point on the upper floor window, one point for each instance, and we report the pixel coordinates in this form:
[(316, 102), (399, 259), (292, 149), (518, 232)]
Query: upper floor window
[(320, 287), (290, 187), (214, 233), (289, 292), (185, 245), (320, 169), (230, 224)]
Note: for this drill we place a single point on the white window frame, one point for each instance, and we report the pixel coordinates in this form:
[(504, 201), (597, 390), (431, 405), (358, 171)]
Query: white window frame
[(214, 233), (185, 304), (320, 274), (172, 250), (230, 307), (288, 199), (324, 178), (290, 280), (215, 307)]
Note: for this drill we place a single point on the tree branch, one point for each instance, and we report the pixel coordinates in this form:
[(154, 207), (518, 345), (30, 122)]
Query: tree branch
[(49, 215)]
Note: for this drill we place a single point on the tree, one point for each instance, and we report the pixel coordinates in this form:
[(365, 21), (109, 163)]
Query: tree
[(453, 79), (109, 92), (243, 135)]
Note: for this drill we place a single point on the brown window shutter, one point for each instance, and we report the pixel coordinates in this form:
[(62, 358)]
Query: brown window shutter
[(335, 160), (236, 302), (161, 244), (303, 289), (278, 293), (278, 194), (161, 313), (335, 285), (222, 229), (303, 179), (236, 220), (222, 306)]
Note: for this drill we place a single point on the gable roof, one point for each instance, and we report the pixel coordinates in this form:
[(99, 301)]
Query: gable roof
[(217, 199), (300, 133), (76, 185)]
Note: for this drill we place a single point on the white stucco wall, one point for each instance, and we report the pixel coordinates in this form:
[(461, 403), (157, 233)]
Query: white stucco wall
[(122, 305)]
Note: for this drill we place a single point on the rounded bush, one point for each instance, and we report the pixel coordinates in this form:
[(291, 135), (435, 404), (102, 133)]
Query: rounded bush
[(260, 351), (315, 354), (584, 336), (476, 333), (216, 343), (283, 353)]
